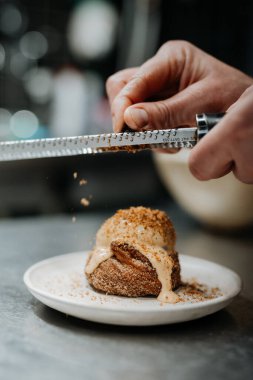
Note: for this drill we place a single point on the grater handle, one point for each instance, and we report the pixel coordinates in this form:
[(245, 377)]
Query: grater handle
[(206, 121)]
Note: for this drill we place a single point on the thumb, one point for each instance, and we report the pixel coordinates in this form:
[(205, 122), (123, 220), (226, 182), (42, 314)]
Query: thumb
[(176, 111)]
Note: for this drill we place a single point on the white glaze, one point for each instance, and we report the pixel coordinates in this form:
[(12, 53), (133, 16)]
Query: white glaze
[(159, 259), (163, 264), (98, 255)]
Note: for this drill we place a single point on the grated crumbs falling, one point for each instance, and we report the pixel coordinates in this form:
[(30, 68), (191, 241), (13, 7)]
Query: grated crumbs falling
[(83, 182), (85, 202)]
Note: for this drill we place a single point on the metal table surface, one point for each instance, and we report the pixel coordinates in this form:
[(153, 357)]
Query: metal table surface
[(37, 342)]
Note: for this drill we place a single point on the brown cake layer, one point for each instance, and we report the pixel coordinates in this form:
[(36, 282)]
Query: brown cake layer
[(129, 273)]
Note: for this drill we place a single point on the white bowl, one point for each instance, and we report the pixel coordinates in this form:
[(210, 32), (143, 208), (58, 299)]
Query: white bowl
[(222, 203)]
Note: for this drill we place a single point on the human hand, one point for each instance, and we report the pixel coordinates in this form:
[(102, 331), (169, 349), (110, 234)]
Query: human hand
[(229, 145), (181, 80)]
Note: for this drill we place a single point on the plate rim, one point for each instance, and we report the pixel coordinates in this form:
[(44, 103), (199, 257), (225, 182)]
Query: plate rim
[(117, 306)]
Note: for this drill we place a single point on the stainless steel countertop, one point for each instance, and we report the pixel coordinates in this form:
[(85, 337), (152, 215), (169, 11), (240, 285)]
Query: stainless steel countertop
[(37, 342)]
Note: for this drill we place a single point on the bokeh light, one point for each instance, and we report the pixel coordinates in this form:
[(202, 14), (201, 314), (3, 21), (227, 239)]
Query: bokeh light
[(52, 36), (5, 117), (92, 29), (10, 19), (38, 83), (69, 111), (2, 57), (24, 124), (19, 64), (33, 45)]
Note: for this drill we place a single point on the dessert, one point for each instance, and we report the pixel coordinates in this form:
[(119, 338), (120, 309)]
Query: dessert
[(135, 256)]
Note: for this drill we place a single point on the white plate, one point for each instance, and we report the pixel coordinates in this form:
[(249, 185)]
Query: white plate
[(60, 284)]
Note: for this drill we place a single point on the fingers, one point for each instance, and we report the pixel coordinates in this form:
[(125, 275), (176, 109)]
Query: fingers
[(202, 84), (242, 115), (229, 146), (139, 88), (211, 158), (154, 76), (116, 82), (177, 67), (176, 111)]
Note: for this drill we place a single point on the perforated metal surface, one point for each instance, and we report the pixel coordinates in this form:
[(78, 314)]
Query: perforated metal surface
[(72, 146)]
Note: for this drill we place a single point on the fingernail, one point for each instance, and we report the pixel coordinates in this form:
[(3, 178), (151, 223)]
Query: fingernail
[(139, 116)]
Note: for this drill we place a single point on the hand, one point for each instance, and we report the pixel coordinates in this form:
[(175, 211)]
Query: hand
[(229, 145), (181, 80)]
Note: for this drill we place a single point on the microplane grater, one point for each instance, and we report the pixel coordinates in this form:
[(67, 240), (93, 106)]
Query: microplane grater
[(111, 142)]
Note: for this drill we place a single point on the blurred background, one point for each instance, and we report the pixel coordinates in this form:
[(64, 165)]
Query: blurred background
[(55, 57)]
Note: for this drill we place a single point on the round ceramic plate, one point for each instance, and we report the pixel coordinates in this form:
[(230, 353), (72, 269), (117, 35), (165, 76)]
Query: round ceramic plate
[(59, 283)]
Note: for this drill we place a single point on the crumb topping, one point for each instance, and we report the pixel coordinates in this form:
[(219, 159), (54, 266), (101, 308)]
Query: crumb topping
[(139, 225)]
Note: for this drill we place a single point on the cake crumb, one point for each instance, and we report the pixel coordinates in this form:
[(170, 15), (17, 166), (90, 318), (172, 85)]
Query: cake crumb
[(73, 286), (85, 202), (193, 291), (75, 174)]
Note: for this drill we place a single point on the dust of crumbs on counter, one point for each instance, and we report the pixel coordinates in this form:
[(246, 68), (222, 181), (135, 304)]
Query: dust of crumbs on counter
[(73, 286)]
